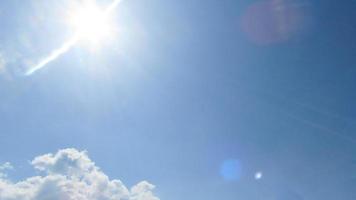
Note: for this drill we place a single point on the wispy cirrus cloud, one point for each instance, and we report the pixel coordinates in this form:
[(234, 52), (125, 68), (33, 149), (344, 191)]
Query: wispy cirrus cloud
[(70, 174), (2, 64), (3, 168)]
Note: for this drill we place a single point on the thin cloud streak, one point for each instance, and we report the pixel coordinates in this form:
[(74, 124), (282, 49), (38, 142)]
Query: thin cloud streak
[(66, 46)]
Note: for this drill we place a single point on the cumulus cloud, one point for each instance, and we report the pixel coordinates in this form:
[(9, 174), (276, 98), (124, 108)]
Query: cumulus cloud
[(69, 174)]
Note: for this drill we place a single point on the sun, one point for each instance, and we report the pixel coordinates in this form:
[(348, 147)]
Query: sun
[(91, 24)]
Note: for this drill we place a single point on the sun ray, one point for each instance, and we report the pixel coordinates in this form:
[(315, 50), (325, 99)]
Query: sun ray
[(82, 32), (54, 55)]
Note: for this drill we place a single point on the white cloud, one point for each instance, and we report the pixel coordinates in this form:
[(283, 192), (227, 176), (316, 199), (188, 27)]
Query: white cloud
[(71, 175)]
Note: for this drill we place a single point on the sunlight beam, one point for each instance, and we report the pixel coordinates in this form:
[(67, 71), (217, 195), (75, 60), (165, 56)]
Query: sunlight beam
[(53, 56), (112, 6), (66, 46)]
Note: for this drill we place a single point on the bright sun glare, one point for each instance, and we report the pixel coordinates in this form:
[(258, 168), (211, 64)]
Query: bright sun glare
[(91, 24)]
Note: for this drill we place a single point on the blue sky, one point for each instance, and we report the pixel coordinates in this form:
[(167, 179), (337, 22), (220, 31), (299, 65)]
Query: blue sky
[(193, 96)]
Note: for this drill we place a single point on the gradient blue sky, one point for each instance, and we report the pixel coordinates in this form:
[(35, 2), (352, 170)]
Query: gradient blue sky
[(194, 96)]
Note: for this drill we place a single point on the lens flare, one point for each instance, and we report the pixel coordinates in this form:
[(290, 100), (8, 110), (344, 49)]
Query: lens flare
[(230, 170), (258, 175)]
